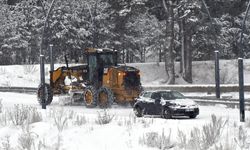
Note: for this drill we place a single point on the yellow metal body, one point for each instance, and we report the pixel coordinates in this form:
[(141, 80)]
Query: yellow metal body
[(113, 78), (58, 77)]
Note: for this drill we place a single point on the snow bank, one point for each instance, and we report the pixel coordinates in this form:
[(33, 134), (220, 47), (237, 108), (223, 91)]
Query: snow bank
[(151, 73)]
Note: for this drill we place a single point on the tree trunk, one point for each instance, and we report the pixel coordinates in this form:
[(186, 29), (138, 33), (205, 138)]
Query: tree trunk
[(127, 56), (131, 57), (144, 54), (166, 54), (171, 79), (186, 53), (159, 54), (123, 55), (183, 47), (141, 54), (188, 61)]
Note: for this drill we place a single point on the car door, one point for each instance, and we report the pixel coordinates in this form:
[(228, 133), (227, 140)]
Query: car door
[(146, 102), (155, 106), (167, 97), (150, 107)]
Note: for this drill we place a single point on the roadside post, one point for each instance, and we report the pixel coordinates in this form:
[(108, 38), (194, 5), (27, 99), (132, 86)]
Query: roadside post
[(241, 68), (42, 75), (51, 63), (217, 74), (51, 57), (241, 90)]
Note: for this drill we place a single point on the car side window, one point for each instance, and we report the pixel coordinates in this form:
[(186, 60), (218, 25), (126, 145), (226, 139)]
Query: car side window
[(166, 96), (147, 94), (156, 96), (177, 95)]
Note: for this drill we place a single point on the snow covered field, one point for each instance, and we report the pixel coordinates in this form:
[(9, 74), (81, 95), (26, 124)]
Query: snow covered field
[(24, 125), (77, 128)]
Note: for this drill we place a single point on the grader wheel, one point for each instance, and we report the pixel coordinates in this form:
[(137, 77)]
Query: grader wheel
[(105, 97), (48, 94), (90, 97)]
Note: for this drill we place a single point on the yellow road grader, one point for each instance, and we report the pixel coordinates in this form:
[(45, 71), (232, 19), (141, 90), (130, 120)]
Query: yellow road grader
[(100, 82)]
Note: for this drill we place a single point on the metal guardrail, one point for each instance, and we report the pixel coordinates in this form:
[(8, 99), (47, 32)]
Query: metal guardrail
[(204, 100), (198, 88), (181, 88), (212, 100), (18, 89)]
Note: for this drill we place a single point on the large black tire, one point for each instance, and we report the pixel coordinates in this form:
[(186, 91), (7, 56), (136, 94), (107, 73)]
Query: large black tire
[(166, 113), (138, 111), (90, 96), (105, 97), (48, 94)]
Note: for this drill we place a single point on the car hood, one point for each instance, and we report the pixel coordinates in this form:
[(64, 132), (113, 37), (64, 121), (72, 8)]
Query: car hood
[(183, 102)]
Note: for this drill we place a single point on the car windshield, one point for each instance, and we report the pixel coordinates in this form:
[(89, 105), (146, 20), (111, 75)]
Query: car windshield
[(177, 95), (147, 94), (170, 95)]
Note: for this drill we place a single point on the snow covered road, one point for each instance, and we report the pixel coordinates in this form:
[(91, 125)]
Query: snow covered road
[(10, 99)]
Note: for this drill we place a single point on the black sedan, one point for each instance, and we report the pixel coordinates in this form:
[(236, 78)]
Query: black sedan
[(166, 104)]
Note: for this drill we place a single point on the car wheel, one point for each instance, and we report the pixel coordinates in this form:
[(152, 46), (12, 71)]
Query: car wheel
[(192, 116), (166, 114), (138, 111)]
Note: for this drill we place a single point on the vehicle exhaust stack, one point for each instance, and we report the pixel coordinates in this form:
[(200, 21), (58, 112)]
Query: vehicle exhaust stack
[(51, 58)]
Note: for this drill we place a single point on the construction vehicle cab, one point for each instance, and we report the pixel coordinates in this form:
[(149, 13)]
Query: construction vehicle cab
[(97, 60), (100, 82)]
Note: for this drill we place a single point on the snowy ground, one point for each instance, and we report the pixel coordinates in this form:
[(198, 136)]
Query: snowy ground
[(76, 127), (125, 131)]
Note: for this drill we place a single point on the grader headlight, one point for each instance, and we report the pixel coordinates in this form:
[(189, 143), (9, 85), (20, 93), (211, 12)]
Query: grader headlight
[(122, 74)]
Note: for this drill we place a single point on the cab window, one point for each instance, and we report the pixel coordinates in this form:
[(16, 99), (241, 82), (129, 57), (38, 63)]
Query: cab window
[(106, 59)]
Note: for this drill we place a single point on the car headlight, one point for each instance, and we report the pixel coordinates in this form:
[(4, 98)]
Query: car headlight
[(174, 106), (194, 106)]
